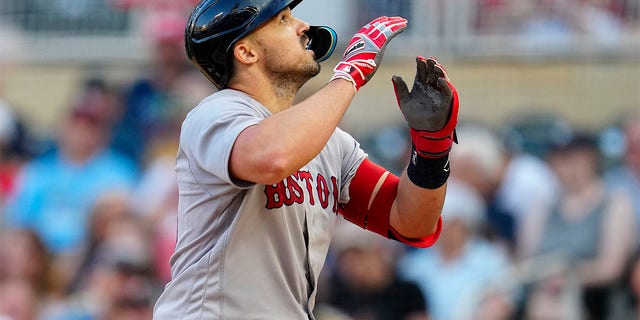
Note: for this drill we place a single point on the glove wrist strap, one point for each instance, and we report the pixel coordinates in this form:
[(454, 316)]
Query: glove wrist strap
[(429, 173), (432, 145), (354, 71)]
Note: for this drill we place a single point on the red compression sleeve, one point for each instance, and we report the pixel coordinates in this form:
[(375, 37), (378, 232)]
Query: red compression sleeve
[(372, 192), (423, 242)]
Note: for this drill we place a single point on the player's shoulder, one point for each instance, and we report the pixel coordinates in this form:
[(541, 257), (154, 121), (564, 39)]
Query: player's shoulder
[(343, 139), (224, 111), (342, 135), (222, 103)]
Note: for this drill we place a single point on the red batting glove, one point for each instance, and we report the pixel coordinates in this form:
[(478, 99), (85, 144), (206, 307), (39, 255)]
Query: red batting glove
[(431, 108), (365, 50)]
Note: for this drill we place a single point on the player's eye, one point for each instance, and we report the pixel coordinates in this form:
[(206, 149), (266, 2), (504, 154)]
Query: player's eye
[(284, 18)]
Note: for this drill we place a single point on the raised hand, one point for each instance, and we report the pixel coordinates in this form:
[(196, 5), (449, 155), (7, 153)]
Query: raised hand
[(365, 50), (430, 108)]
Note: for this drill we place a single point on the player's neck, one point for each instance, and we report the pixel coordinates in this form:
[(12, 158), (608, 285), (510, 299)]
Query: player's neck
[(269, 96)]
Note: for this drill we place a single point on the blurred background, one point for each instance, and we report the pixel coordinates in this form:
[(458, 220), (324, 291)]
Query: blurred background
[(542, 214)]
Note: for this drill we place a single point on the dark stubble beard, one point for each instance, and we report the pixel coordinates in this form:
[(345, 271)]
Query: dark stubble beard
[(287, 80)]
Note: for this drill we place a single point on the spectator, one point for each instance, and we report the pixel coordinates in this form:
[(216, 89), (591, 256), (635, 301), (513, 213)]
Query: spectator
[(627, 175), (589, 225), (57, 190), (155, 104), (19, 301), (363, 283), (460, 276), (23, 256), (109, 210), (16, 148), (149, 127), (116, 280), (508, 181)]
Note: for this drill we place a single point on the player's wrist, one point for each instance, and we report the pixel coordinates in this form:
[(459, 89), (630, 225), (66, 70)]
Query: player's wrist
[(347, 77), (433, 144), (428, 172), (356, 72)]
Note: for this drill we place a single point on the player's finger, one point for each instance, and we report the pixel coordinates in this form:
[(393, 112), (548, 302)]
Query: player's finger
[(443, 84), (432, 74), (421, 70), (401, 90), (441, 71)]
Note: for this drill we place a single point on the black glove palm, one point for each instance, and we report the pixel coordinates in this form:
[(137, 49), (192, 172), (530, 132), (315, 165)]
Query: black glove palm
[(431, 108), (428, 106)]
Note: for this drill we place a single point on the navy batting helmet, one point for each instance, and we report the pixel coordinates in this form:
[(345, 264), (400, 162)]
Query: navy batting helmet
[(216, 25)]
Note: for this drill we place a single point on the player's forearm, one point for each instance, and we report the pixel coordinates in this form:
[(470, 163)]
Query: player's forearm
[(283, 143), (431, 110), (416, 210)]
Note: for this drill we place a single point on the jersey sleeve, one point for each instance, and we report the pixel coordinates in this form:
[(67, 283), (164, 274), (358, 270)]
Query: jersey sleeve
[(211, 129), (351, 158)]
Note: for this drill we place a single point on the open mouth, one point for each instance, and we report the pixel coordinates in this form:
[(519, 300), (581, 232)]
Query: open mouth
[(306, 42)]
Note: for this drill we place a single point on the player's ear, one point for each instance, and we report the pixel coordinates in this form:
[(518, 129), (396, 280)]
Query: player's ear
[(245, 51)]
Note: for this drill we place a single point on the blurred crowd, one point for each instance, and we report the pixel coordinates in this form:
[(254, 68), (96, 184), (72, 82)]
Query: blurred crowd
[(88, 217), (586, 17), (539, 25), (541, 219)]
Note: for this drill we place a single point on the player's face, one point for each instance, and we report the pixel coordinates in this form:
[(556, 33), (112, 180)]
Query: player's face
[(283, 45)]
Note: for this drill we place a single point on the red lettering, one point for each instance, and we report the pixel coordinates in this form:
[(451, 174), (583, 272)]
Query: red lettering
[(291, 191), (275, 195), (334, 182), (295, 192), (307, 178), (323, 191)]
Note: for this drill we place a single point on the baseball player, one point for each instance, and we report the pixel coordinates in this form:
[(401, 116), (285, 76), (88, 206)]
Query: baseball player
[(262, 182)]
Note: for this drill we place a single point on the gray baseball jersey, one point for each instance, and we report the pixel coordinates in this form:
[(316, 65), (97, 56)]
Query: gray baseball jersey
[(249, 251)]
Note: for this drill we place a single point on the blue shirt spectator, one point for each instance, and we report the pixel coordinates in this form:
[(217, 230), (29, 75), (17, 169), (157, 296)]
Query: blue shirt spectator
[(56, 191), (462, 268), (56, 196)]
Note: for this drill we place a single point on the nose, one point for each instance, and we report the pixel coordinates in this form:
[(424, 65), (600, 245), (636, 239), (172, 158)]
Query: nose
[(303, 26)]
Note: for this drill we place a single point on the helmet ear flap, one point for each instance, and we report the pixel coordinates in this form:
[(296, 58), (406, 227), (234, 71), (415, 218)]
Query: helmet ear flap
[(322, 41)]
